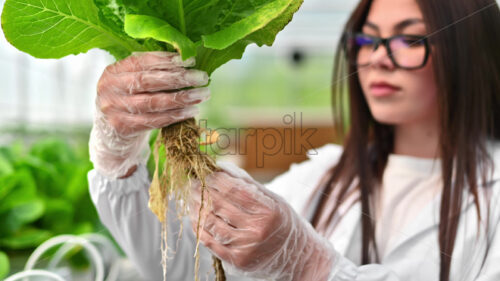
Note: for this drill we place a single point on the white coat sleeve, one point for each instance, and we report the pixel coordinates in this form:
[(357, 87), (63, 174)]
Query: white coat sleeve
[(122, 206), (297, 184)]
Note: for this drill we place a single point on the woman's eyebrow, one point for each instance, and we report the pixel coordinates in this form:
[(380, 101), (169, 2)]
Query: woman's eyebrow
[(398, 27)]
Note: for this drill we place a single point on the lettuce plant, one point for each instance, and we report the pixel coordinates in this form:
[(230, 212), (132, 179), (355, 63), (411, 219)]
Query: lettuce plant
[(212, 31), (43, 193)]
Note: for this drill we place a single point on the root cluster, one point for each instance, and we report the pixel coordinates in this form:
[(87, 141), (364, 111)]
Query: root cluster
[(183, 162)]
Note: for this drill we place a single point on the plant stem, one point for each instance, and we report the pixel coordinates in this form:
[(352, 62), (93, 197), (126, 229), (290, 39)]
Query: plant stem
[(182, 21)]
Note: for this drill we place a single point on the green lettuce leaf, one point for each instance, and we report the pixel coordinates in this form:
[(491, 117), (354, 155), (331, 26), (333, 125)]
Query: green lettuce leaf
[(142, 27), (194, 18), (209, 59), (4, 265), (21, 214), (237, 24), (25, 238), (112, 14), (267, 35), (248, 25), (214, 31), (57, 28)]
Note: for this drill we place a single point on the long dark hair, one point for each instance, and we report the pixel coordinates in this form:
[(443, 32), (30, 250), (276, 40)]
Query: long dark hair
[(466, 57)]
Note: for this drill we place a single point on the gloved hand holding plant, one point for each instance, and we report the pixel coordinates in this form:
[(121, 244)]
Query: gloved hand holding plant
[(256, 233), (213, 32)]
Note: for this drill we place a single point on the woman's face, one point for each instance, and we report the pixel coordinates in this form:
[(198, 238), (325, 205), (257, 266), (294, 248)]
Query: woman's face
[(414, 98)]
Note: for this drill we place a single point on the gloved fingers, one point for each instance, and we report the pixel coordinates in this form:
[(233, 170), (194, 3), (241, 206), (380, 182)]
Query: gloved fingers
[(230, 214), (151, 81), (222, 233), (155, 102), (141, 61), (218, 189), (117, 139), (237, 172), (129, 124), (244, 228), (277, 243), (219, 249), (218, 229), (243, 195)]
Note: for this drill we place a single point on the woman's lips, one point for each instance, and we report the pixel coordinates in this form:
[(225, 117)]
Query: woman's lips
[(383, 89)]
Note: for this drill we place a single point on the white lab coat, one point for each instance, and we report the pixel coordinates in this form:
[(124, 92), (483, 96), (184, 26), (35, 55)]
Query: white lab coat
[(413, 255)]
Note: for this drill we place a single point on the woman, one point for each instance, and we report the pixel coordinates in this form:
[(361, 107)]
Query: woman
[(413, 194)]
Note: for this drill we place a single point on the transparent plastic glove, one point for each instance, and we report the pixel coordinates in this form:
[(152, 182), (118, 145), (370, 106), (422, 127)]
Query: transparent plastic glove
[(138, 94), (256, 233)]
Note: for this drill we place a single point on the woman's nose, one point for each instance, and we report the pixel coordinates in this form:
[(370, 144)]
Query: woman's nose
[(380, 58)]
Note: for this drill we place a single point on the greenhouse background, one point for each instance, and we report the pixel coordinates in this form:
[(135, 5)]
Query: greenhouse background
[(46, 110), (48, 92), (291, 78), (47, 106)]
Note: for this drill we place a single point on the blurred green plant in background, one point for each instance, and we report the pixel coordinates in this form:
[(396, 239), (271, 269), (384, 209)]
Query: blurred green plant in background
[(269, 82), (43, 193)]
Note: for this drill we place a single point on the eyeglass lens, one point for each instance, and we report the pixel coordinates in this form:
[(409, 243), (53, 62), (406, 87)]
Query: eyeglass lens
[(407, 51)]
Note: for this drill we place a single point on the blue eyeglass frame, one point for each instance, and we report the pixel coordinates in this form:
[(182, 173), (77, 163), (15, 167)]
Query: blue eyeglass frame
[(377, 41)]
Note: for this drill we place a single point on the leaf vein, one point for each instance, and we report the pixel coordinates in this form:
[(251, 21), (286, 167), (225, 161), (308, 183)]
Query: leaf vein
[(89, 23)]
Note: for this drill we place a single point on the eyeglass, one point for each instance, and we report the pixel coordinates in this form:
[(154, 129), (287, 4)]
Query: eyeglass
[(405, 51)]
